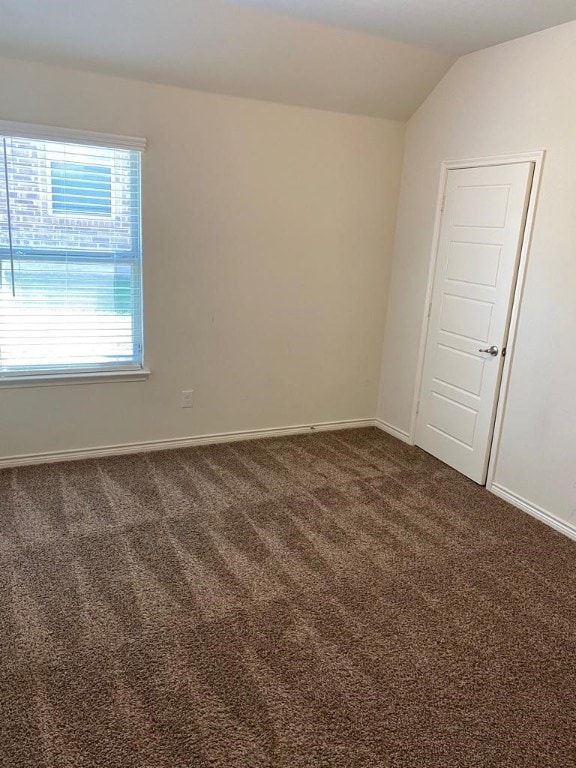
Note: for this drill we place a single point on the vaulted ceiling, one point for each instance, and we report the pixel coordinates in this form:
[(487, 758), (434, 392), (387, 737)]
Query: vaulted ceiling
[(371, 57), (453, 26)]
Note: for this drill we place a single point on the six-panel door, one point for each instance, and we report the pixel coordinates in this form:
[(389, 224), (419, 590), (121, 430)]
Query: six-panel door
[(479, 249)]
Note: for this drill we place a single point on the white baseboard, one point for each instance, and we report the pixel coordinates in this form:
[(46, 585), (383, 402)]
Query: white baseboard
[(394, 431), (181, 442), (532, 509)]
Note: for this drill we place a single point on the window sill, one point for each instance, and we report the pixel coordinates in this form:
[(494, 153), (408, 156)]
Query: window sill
[(67, 379)]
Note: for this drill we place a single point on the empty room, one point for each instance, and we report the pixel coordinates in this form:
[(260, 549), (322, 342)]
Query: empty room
[(287, 384)]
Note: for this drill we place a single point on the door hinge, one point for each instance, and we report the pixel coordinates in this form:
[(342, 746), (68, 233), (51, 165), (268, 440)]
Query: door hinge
[(418, 408), (429, 309), (443, 203)]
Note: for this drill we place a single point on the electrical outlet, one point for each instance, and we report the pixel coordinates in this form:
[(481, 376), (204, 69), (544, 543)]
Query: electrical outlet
[(187, 400)]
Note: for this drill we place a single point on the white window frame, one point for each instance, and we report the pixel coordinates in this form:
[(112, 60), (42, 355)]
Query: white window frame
[(88, 138)]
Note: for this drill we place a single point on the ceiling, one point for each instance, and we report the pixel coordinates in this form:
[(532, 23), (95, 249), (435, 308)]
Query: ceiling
[(371, 57), (454, 26)]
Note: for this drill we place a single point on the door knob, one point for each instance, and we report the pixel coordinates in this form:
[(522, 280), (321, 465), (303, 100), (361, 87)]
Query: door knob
[(493, 350)]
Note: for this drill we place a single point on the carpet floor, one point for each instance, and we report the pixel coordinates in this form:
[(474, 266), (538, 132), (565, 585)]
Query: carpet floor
[(337, 600)]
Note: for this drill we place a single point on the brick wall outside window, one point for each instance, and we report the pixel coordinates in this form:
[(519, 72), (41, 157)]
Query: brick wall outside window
[(34, 224)]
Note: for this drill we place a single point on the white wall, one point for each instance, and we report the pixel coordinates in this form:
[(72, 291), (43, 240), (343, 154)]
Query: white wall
[(267, 237), (516, 97)]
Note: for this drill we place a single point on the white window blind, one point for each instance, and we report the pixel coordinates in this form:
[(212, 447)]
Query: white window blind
[(70, 257)]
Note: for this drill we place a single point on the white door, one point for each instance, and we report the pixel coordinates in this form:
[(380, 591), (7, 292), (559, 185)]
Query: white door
[(479, 250)]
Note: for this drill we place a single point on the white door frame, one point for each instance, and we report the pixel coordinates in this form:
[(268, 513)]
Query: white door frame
[(537, 158)]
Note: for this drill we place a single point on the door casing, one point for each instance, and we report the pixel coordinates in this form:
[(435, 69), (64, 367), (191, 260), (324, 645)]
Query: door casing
[(537, 158)]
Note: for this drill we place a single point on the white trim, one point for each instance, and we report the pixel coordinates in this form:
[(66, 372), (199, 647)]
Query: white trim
[(515, 315), (63, 379), (428, 301), (52, 133), (536, 157), (181, 442), (532, 509), (400, 434), (482, 162)]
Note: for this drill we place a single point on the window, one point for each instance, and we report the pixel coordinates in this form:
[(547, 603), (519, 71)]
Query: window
[(70, 255), (81, 190)]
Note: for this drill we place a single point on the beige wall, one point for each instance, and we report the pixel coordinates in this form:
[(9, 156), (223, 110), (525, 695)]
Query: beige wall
[(267, 236), (512, 98)]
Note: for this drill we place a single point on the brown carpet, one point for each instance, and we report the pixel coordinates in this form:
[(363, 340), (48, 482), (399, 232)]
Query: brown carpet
[(337, 599)]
